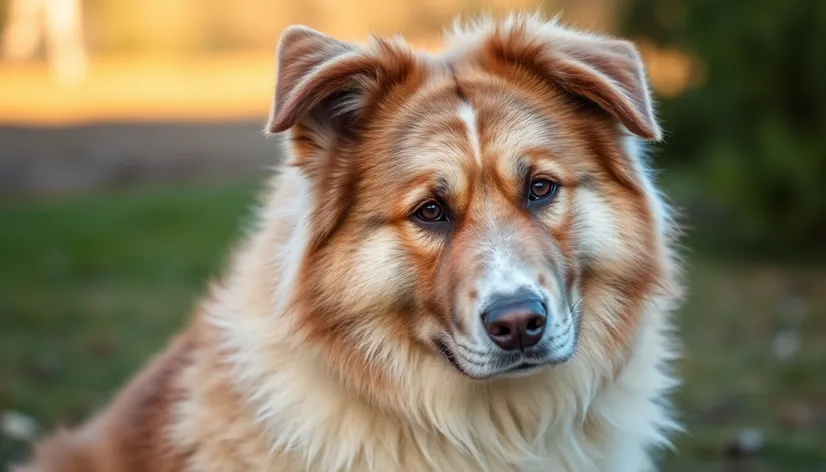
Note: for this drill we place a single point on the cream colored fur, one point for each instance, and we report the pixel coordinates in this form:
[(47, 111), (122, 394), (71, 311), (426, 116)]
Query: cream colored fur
[(255, 396), (579, 416), (584, 415)]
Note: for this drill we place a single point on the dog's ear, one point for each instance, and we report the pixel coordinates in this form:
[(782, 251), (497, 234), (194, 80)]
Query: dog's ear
[(608, 72), (324, 90), (313, 67)]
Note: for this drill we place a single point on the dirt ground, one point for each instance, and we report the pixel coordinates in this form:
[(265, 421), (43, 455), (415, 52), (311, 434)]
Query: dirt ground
[(39, 161)]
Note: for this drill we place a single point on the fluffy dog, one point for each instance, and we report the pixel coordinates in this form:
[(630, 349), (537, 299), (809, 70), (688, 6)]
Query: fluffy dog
[(462, 265)]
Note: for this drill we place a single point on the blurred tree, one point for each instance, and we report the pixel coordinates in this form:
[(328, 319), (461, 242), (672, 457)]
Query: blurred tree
[(56, 22), (753, 133)]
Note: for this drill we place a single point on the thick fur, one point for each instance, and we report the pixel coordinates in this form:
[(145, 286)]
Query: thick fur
[(318, 348)]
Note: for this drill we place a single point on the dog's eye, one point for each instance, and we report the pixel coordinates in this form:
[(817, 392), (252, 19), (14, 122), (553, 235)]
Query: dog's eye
[(430, 212), (541, 189)]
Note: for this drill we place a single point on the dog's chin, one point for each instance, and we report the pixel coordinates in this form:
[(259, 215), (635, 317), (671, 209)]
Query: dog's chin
[(514, 369), (524, 369)]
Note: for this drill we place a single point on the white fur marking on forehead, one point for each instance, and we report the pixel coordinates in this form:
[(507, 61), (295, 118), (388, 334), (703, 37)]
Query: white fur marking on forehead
[(468, 116)]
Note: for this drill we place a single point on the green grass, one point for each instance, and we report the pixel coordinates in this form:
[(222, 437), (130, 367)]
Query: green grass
[(90, 287)]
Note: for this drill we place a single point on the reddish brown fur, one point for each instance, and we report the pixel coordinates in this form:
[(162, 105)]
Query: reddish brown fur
[(501, 64), (355, 174)]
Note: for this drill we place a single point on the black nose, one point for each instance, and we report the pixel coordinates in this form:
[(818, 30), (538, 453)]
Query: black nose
[(515, 322)]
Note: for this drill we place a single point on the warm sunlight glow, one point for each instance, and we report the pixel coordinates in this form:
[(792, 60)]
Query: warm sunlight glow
[(176, 60)]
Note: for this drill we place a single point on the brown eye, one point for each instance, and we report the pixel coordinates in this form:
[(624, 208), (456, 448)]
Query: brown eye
[(541, 188), (430, 212)]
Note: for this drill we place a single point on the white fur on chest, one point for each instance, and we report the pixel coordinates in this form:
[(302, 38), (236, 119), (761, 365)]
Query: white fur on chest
[(580, 416), (564, 419)]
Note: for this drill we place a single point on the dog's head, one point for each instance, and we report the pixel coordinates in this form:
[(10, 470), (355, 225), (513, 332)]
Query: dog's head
[(483, 208)]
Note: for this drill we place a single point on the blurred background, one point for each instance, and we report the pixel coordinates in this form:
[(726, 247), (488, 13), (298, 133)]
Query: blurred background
[(130, 152)]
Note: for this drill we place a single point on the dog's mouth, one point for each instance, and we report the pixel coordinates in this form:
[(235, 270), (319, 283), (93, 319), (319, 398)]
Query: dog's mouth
[(524, 366), (499, 365)]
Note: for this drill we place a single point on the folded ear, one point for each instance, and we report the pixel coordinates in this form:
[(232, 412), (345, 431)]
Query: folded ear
[(313, 67), (325, 87), (609, 72), (606, 71)]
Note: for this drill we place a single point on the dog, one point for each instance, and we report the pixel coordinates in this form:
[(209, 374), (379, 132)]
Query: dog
[(462, 264)]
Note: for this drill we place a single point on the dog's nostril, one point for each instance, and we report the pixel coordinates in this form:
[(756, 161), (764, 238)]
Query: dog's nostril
[(499, 330), (536, 323)]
